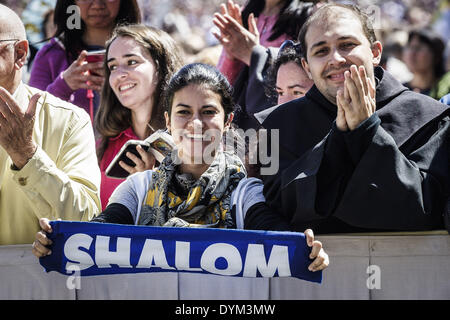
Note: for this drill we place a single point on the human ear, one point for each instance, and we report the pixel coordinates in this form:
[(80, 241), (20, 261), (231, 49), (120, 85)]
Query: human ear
[(305, 66), (229, 121), (377, 50), (21, 53), (167, 118)]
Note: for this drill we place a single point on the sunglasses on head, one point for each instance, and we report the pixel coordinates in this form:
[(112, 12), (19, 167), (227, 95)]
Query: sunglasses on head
[(288, 45)]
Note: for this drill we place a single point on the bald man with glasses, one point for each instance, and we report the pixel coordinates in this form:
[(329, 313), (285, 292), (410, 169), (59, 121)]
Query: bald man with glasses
[(48, 165)]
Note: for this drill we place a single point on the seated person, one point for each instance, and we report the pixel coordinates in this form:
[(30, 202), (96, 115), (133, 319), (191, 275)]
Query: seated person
[(197, 184), (360, 152), (48, 165)]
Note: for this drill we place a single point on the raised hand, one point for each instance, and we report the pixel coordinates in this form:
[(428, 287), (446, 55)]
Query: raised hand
[(16, 128), (341, 122), (233, 10), (237, 41), (356, 101)]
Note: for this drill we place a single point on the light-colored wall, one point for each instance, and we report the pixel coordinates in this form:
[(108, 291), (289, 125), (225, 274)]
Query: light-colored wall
[(412, 266)]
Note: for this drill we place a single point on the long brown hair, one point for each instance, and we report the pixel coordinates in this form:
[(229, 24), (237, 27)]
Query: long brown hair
[(112, 117)]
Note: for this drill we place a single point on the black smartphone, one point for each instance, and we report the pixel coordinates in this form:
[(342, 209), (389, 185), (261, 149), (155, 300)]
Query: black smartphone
[(114, 170)]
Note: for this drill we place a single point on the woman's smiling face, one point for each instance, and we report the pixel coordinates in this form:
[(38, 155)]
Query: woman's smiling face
[(196, 122), (134, 75)]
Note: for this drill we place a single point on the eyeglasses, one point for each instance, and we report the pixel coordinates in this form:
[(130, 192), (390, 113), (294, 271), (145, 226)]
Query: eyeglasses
[(288, 45), (90, 1), (9, 40)]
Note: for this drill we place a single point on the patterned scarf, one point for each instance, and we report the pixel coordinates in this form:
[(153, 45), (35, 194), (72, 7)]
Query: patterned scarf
[(177, 200)]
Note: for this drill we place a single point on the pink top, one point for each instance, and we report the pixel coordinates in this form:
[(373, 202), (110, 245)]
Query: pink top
[(108, 185), (231, 67)]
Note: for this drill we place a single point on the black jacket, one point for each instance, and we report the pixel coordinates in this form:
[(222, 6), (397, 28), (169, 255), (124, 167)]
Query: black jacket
[(249, 90), (391, 173)]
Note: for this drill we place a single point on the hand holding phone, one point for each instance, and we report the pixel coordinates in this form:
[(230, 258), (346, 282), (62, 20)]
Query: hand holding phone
[(77, 76), (125, 161), (94, 57), (143, 160), (150, 153)]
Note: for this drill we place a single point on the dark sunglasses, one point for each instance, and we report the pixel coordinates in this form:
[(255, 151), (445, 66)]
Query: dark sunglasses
[(289, 44)]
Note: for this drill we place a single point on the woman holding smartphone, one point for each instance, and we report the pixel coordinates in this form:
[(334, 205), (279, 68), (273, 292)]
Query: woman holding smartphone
[(199, 184), (61, 67), (139, 61)]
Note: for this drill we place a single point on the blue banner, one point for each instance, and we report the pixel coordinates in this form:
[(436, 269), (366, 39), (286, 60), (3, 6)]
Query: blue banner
[(99, 249)]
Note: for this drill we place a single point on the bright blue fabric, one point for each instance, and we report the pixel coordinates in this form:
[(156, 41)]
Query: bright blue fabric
[(446, 99), (198, 250)]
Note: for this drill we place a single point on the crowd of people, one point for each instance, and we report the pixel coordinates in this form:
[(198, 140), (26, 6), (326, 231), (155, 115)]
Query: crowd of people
[(358, 149)]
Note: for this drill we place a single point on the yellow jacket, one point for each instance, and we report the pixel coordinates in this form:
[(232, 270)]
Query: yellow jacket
[(61, 180)]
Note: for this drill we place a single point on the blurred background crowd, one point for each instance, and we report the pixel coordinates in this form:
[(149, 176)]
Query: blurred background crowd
[(190, 23), (255, 49)]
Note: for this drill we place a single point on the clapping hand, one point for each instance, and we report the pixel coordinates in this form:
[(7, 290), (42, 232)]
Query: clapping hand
[(16, 128), (356, 101), (237, 41), (233, 10)]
